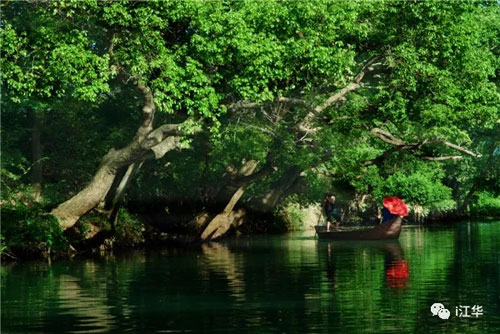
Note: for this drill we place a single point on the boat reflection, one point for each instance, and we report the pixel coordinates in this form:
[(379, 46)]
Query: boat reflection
[(396, 268)]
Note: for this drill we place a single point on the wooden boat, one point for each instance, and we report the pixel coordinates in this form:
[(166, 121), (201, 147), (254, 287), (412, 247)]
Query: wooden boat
[(386, 231)]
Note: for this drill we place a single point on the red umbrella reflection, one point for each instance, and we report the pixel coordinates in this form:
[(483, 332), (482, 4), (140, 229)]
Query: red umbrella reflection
[(397, 274), (397, 270)]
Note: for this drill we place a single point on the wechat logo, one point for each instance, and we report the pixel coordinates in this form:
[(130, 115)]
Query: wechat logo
[(439, 310)]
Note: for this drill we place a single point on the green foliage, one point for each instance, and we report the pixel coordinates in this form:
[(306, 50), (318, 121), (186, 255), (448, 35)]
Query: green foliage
[(416, 188), (11, 174), (129, 230), (443, 206), (291, 214), (239, 142), (90, 221), (486, 206), (31, 227), (3, 246), (39, 62), (225, 65)]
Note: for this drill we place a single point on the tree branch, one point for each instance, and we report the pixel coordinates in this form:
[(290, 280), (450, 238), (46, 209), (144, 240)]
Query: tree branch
[(461, 149), (387, 137), (242, 104), (148, 111), (399, 144), (159, 134), (355, 84), (148, 105), (168, 144), (295, 101), (335, 97), (266, 169), (340, 95), (442, 158)]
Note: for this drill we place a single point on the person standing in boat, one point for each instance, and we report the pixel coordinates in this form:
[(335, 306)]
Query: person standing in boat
[(331, 212)]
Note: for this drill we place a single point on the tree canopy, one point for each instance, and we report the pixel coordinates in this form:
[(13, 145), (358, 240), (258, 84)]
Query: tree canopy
[(363, 97)]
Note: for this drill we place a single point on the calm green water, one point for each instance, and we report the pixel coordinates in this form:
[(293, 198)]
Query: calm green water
[(268, 284)]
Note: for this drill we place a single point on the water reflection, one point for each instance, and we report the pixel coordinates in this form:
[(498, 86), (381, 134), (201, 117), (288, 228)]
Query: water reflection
[(268, 284), (331, 269), (90, 312), (219, 259), (396, 267)]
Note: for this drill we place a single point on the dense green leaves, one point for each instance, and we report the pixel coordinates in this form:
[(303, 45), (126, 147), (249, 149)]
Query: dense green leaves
[(31, 227), (249, 74)]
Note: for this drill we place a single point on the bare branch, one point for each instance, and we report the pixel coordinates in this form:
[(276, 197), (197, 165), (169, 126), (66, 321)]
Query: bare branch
[(355, 84), (336, 97), (450, 157), (111, 46), (156, 136), (340, 96), (461, 149), (166, 129), (242, 104), (388, 138), (295, 101)]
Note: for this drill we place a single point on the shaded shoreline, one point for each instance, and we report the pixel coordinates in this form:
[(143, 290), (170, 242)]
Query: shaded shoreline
[(157, 240)]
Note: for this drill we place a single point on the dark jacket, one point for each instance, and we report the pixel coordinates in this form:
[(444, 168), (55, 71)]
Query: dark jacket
[(331, 212), (386, 215)]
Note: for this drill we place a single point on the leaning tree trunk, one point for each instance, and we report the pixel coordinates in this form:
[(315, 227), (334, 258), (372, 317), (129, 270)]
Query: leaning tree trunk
[(279, 190), (95, 192), (148, 143), (70, 211), (465, 204), (218, 226), (117, 191), (284, 186)]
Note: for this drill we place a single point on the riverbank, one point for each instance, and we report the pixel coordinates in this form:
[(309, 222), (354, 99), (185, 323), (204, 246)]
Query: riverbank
[(29, 233)]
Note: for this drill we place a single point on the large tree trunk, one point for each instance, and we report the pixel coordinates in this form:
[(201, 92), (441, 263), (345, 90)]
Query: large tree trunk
[(218, 226), (279, 190), (148, 143), (288, 183), (95, 192), (233, 179), (117, 191), (88, 198), (36, 153)]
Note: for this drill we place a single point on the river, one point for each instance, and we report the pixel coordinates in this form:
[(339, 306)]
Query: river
[(269, 284)]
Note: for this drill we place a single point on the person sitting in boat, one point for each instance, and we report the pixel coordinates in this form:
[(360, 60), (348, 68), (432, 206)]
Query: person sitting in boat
[(331, 212), (386, 215)]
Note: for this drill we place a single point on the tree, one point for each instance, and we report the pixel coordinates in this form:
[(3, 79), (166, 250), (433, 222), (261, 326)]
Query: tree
[(278, 88)]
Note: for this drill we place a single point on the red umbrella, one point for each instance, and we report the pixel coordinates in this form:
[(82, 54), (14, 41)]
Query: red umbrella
[(396, 206)]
